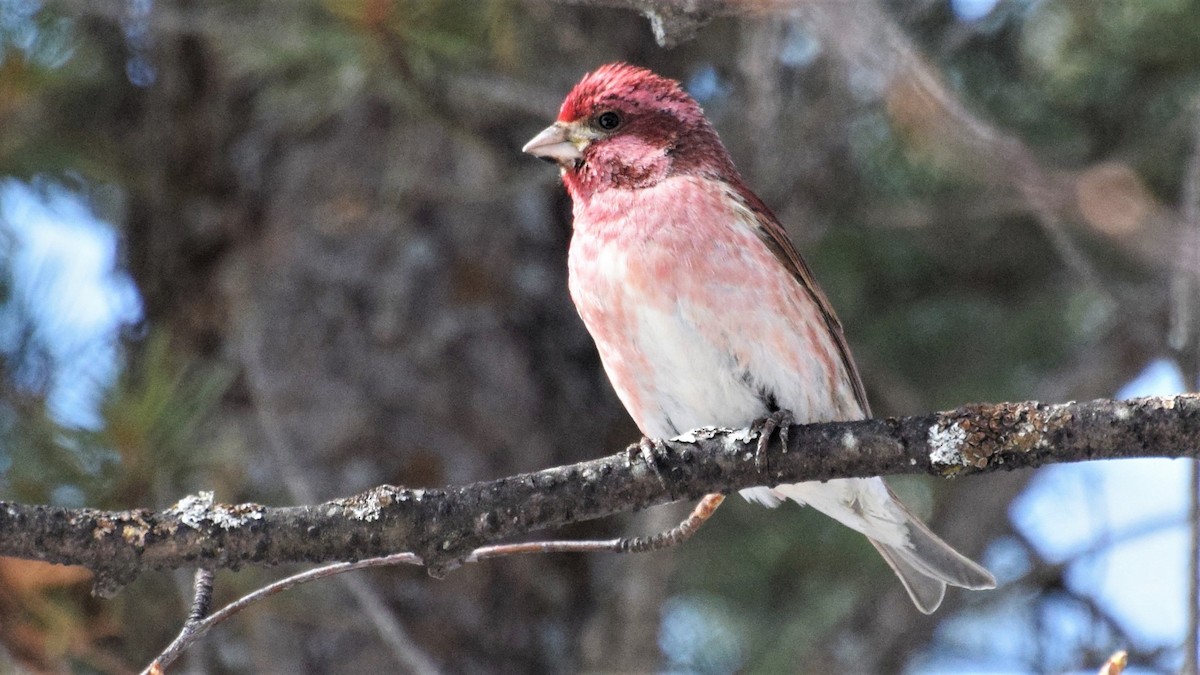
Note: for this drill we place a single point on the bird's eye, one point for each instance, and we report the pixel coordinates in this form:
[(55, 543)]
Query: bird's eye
[(608, 120)]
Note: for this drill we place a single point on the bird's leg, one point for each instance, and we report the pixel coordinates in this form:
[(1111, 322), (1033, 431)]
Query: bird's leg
[(678, 534), (649, 449), (779, 420)]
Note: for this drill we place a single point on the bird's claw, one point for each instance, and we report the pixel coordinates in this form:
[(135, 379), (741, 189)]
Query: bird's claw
[(649, 449), (781, 421)]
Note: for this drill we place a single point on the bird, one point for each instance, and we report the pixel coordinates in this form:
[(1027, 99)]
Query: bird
[(703, 311)]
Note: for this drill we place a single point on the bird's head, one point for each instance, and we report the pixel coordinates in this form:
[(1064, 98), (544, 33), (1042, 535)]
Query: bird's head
[(624, 127)]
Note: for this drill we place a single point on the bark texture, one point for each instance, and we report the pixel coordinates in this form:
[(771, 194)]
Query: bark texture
[(443, 526)]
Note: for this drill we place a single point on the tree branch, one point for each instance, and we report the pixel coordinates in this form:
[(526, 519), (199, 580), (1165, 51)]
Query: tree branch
[(444, 526)]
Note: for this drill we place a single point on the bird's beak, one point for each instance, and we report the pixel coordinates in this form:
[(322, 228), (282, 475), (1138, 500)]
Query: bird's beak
[(556, 144)]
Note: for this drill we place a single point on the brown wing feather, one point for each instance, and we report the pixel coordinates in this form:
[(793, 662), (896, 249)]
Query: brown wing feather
[(776, 239)]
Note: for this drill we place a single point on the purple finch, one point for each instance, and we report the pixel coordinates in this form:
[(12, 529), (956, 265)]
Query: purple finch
[(703, 311)]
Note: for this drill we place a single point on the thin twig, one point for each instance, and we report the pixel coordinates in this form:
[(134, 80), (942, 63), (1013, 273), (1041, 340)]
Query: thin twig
[(1191, 658), (678, 534), (1186, 275), (202, 603), (1045, 577), (194, 631), (199, 622), (1183, 334), (386, 624), (566, 546), (1108, 541), (192, 628)]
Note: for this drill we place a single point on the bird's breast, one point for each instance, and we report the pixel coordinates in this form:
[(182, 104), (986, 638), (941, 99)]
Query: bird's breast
[(695, 320)]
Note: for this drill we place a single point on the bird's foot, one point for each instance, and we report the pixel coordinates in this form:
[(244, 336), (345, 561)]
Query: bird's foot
[(781, 421), (676, 535), (649, 449)]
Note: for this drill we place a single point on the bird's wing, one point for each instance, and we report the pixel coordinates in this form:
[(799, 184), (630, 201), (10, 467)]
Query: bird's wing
[(776, 239)]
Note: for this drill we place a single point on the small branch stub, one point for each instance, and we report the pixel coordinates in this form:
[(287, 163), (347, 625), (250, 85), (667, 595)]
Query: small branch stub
[(673, 26)]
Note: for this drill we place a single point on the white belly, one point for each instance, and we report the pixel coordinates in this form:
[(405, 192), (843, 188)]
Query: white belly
[(693, 382)]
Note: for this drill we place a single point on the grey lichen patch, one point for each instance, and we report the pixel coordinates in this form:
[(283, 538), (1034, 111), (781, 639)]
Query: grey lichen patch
[(199, 510), (946, 441), (708, 433), (192, 509), (369, 506), (976, 435), (732, 441), (743, 435), (849, 441)]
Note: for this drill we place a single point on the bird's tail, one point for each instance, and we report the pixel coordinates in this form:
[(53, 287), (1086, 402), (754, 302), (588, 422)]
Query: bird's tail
[(924, 563)]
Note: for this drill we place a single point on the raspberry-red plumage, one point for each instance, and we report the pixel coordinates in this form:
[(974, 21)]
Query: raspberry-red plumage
[(664, 131), (703, 311), (625, 85)]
